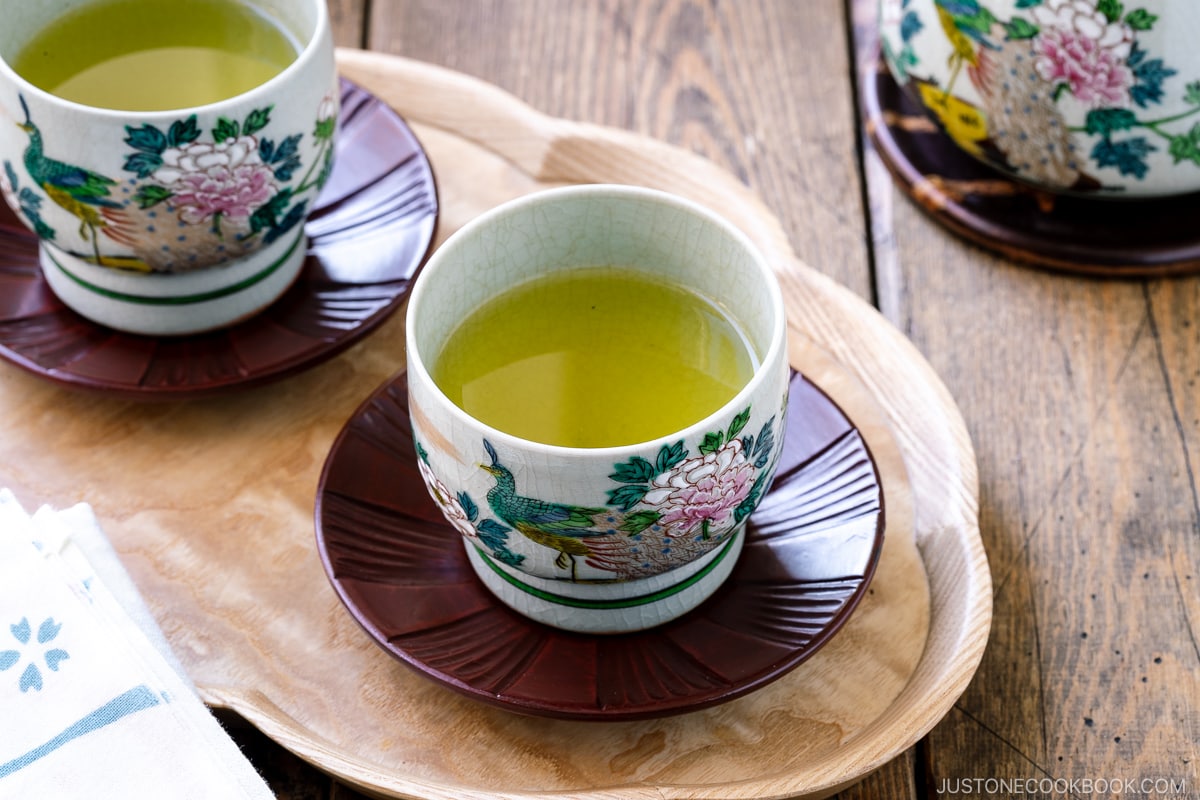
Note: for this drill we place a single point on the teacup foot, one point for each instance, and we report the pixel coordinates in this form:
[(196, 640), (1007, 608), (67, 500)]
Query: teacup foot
[(176, 304), (609, 607)]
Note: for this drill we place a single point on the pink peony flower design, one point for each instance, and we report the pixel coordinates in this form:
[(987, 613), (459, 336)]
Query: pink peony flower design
[(1093, 73), (704, 488), (209, 178), (451, 509), (1081, 49), (232, 193)]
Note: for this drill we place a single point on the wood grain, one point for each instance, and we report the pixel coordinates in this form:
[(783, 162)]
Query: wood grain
[(1080, 397), (349, 22), (210, 504), (757, 88)]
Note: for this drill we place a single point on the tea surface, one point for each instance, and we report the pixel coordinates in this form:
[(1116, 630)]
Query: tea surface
[(594, 357), (156, 55)]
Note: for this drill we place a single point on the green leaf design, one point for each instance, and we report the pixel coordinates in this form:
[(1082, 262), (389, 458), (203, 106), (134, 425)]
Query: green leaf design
[(1192, 96), (635, 470), (1186, 147), (638, 521), (325, 129), (151, 195), (326, 169), (506, 556), (143, 164), (1103, 121), (257, 120), (184, 131), (1127, 155), (712, 443), (1111, 9), (1028, 3), (492, 528), (766, 441), (287, 149), (668, 457), (738, 423), (29, 198), (421, 453), (287, 156), (626, 496), (147, 139), (226, 129), (469, 506), (1019, 28), (293, 218), (1141, 19), (745, 508), (495, 537), (267, 215)]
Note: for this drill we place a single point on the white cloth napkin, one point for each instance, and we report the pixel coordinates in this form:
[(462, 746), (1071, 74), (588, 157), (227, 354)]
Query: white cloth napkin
[(92, 702)]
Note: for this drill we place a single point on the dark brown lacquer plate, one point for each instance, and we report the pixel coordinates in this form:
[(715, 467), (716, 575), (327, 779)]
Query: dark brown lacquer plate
[(400, 569), (371, 229), (1070, 233)]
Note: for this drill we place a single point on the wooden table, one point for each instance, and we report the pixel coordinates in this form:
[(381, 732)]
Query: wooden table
[(1080, 395)]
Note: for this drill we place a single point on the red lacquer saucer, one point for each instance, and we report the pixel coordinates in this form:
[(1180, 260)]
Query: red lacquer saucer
[(371, 229), (401, 571)]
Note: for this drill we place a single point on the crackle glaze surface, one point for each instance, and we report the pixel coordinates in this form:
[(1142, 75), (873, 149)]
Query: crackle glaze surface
[(170, 191), (582, 514), (602, 520)]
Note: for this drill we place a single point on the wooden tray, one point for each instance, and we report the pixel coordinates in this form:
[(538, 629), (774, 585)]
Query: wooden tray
[(210, 503)]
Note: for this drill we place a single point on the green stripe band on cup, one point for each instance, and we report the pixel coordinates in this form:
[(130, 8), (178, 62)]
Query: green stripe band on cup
[(201, 297), (600, 605)]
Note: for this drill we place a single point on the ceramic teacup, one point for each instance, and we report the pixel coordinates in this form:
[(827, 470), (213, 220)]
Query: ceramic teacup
[(170, 222), (1094, 97), (656, 525)]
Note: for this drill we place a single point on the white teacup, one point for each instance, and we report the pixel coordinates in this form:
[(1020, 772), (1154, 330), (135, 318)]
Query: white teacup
[(683, 498), (1094, 97), (170, 222)]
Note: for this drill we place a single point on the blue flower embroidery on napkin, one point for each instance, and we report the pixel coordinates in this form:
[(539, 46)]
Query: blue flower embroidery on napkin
[(31, 677)]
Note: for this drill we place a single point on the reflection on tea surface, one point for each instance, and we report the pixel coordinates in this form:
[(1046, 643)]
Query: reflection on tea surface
[(156, 55), (594, 357)]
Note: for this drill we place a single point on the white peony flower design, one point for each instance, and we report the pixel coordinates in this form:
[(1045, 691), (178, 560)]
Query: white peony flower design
[(704, 488), (209, 178), (447, 502), (328, 108)]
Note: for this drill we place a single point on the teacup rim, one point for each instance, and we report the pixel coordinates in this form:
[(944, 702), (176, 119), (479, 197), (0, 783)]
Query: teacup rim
[(768, 363), (308, 53)]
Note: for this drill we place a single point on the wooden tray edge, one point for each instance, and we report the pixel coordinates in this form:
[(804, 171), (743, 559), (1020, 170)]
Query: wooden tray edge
[(941, 468)]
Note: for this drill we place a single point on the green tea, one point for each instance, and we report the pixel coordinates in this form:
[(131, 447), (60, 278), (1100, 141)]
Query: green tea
[(594, 357), (156, 55)]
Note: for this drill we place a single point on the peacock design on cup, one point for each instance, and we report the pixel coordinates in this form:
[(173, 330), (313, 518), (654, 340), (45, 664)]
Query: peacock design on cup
[(660, 512), (189, 198)]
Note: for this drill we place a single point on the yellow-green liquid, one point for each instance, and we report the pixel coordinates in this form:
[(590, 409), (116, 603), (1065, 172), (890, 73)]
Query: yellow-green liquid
[(594, 357), (156, 55)]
